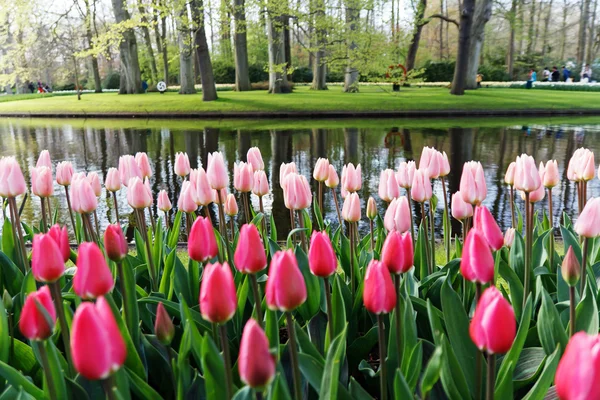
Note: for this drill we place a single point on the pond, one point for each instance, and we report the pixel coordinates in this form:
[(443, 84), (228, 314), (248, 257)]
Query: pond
[(95, 145)]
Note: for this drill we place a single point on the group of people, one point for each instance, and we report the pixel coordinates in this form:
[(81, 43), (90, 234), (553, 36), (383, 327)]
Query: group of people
[(41, 87), (555, 74)]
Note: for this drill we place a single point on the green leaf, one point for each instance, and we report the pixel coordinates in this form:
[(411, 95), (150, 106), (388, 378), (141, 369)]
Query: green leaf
[(587, 313), (141, 389), (175, 229), (531, 361), (132, 316), (312, 371), (8, 241), (550, 330), (12, 277), (313, 288), (432, 372), (401, 388), (279, 389), (338, 308), (214, 369), (306, 346), (244, 393), (539, 390), (515, 285), (4, 334), (333, 362), (517, 255), (17, 380), (420, 254), (358, 392), (56, 370)]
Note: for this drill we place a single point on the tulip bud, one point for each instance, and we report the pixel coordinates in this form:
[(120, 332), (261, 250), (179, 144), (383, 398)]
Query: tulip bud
[(44, 160), (94, 180), (163, 202), (352, 178), (397, 216), (138, 195), (97, 345), (588, 223), (33, 323), (509, 177), (217, 171), (296, 192), (421, 190), (551, 177), (163, 326), (570, 268), (128, 169), (388, 186), (250, 256), (243, 177), (64, 173), (261, 183), (187, 200), (406, 174), (351, 208), (12, 181), (115, 243), (484, 222), (202, 244), (285, 170), (144, 164), (477, 262), (47, 263), (493, 327), (509, 237), (285, 289), (579, 369), (527, 177), (231, 207), (333, 179), (444, 165), (222, 198), (93, 277), (83, 198), (112, 181), (397, 253), (254, 158), (430, 162), (42, 183), (182, 164), (460, 208), (321, 257), (371, 209), (61, 238), (472, 183), (218, 300), (588, 166), (256, 364), (7, 300), (379, 294), (204, 193), (321, 171)]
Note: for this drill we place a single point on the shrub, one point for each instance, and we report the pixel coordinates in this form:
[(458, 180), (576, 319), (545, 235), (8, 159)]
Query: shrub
[(442, 71), (223, 72), (302, 74), (112, 81)]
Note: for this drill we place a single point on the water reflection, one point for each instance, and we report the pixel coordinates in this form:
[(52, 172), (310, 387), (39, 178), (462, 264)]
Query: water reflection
[(92, 147)]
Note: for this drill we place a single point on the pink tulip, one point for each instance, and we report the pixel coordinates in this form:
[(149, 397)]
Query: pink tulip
[(115, 243), (485, 222), (379, 294), (588, 166), (97, 345), (138, 195), (406, 174), (44, 160), (128, 169), (472, 183), (243, 177), (187, 199), (255, 159), (351, 178), (256, 364), (536, 196), (182, 164), (144, 164), (372, 208), (551, 177), (397, 252), (250, 256), (42, 182), (321, 171), (578, 371), (444, 165), (460, 208), (217, 171), (421, 190), (218, 300), (509, 237), (222, 198), (570, 268), (430, 162), (509, 177), (163, 202), (230, 206), (61, 238), (296, 192), (527, 176), (477, 262), (351, 208), (397, 216), (261, 183), (64, 173), (202, 244), (94, 180), (93, 278), (493, 327), (163, 326), (285, 289), (113, 180), (388, 186), (83, 198), (333, 179), (321, 257), (149, 189), (204, 193), (33, 323), (12, 181), (588, 223), (285, 170)]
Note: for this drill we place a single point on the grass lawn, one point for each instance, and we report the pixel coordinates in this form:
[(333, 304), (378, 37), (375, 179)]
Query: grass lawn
[(303, 99)]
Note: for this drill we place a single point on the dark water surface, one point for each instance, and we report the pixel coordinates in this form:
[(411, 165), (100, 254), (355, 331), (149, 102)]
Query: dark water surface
[(95, 145)]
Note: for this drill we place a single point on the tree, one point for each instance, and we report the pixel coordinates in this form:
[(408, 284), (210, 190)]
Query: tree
[(278, 82), (186, 50), (413, 47), (88, 14), (242, 77), (319, 65), (352, 21), (512, 20), (209, 89), (583, 21), (483, 13), (131, 81), (146, 33), (464, 39), (161, 38)]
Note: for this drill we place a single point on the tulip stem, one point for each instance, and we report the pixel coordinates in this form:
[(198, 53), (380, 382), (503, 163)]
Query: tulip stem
[(17, 222), (144, 232), (478, 290), (432, 226), (528, 244), (263, 222), (257, 298), (351, 236), (167, 223), (70, 211), (329, 309), (551, 220), (337, 208), (294, 356), (22, 255), (222, 226), (227, 359), (259, 395), (491, 376), (50, 219), (412, 223), (303, 233), (382, 352), (97, 223), (572, 310), (398, 332), (116, 204), (41, 347), (447, 233), (372, 235), (292, 224), (44, 218), (583, 266), (122, 285), (321, 197), (232, 228), (109, 386), (512, 207), (56, 291), (424, 227), (207, 213)]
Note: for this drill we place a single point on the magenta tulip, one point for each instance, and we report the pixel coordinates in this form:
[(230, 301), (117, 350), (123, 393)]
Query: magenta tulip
[(397, 252), (256, 364), (379, 295), (202, 244), (477, 263), (250, 256), (218, 300), (578, 371), (61, 238), (285, 289), (115, 243), (33, 323), (493, 327), (163, 325), (321, 256), (485, 222), (93, 277)]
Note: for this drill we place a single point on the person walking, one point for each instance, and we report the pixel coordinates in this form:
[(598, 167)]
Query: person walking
[(566, 73), (555, 74), (532, 78), (546, 75), (586, 73)]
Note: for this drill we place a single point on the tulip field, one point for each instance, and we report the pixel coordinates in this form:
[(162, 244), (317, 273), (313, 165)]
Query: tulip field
[(198, 307)]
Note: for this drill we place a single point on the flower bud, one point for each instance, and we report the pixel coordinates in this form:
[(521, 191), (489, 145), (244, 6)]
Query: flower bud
[(202, 244), (371, 209), (379, 294), (218, 300), (570, 268), (256, 364), (250, 256), (493, 327), (163, 326), (115, 243), (33, 324), (93, 277), (285, 289), (321, 257)]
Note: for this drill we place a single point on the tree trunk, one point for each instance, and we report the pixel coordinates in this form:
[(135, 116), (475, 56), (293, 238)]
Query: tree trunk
[(131, 81), (546, 26), (483, 13), (225, 33), (521, 25), (563, 38), (186, 51), (89, 37), (510, 62), (462, 58), (590, 52), (531, 37), (163, 41), (413, 48), (287, 44), (441, 31), (352, 20), (585, 12), (242, 77), (319, 65), (209, 90), (148, 40), (277, 66)]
